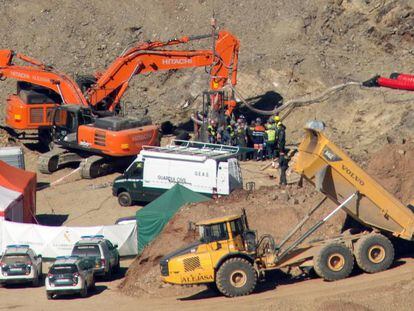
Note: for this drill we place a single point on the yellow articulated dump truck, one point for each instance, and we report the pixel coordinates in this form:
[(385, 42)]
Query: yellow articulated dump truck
[(231, 256)]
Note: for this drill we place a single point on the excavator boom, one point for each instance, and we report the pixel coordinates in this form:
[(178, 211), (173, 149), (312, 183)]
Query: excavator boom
[(58, 82), (147, 57)]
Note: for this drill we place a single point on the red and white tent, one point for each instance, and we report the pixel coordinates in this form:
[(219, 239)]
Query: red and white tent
[(17, 194)]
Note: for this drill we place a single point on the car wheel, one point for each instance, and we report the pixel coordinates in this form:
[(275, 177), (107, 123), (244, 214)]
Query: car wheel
[(35, 282), (93, 285), (117, 267), (49, 296), (84, 291), (124, 199), (108, 275)]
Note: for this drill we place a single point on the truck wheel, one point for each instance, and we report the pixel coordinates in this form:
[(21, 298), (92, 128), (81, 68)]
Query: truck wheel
[(49, 296), (333, 262), (236, 277), (374, 253), (124, 199)]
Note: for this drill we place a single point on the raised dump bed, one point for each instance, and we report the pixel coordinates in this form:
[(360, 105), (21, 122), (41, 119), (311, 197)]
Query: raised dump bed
[(333, 173)]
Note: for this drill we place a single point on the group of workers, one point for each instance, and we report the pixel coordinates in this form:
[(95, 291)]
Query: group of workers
[(268, 140)]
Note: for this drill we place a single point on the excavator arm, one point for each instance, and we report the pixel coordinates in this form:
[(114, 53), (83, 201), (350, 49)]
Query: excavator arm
[(40, 74), (147, 57)]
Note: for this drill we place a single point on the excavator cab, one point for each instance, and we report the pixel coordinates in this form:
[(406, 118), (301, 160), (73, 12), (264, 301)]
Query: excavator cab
[(66, 120)]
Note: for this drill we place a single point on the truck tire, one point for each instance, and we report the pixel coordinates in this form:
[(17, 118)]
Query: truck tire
[(124, 199), (334, 262), (236, 277), (374, 253)]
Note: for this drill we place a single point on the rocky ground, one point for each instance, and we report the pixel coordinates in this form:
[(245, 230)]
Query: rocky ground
[(288, 48)]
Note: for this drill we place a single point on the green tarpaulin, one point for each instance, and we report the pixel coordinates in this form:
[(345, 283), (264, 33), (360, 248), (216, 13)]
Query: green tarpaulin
[(152, 218)]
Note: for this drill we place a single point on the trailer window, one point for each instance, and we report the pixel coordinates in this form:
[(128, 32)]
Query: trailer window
[(215, 232)]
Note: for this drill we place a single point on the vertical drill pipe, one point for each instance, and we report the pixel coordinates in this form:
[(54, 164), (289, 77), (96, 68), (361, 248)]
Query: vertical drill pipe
[(314, 228), (301, 223)]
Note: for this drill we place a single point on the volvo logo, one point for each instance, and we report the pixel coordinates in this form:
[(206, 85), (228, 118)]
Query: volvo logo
[(353, 175)]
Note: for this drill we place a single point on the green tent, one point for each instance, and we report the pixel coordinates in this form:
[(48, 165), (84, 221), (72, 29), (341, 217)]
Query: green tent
[(152, 218)]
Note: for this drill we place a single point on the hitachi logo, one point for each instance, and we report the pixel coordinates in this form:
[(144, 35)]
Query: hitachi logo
[(352, 174), (177, 61)]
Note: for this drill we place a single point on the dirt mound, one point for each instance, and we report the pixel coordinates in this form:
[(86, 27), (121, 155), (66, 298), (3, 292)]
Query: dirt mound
[(393, 167), (269, 209)]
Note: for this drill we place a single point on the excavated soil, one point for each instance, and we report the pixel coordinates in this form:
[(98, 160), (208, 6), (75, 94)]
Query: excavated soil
[(393, 167)]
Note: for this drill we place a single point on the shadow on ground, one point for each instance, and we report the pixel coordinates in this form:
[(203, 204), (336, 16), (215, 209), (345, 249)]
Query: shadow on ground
[(51, 219)]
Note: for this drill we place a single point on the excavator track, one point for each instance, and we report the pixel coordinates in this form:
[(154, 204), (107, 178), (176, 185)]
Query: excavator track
[(95, 166), (55, 159)]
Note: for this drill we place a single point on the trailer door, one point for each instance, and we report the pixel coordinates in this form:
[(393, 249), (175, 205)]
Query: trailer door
[(223, 185), (235, 175)]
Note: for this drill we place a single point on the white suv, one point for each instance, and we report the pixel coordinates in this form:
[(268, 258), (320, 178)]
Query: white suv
[(20, 264), (70, 275)]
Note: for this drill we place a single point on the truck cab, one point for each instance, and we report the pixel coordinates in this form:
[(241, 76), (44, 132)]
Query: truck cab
[(129, 186), (221, 239)]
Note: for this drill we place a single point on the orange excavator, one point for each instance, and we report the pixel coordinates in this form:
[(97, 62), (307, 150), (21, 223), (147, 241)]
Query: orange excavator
[(79, 132), (40, 88)]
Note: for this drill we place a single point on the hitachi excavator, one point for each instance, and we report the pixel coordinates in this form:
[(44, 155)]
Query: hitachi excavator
[(49, 99)]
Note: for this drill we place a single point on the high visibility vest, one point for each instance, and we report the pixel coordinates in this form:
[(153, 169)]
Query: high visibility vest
[(231, 130), (271, 135), (211, 130)]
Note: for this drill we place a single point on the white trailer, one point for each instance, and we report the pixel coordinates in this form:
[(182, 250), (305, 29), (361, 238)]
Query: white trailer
[(203, 168)]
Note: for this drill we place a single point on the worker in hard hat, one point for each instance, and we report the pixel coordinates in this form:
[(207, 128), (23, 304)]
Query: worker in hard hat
[(250, 143), (276, 119), (212, 132), (241, 137), (283, 166), (259, 140), (270, 139), (281, 137), (229, 134)]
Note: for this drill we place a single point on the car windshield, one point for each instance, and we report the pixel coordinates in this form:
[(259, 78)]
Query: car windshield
[(214, 232), (86, 251), (63, 269), (11, 259)]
